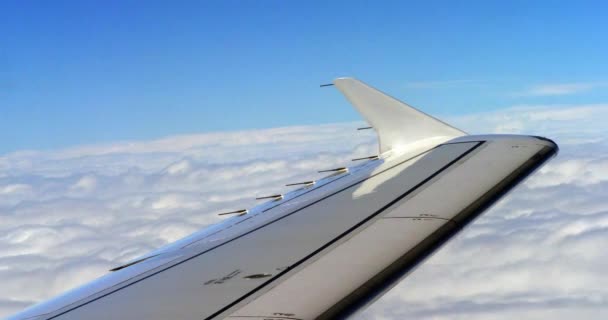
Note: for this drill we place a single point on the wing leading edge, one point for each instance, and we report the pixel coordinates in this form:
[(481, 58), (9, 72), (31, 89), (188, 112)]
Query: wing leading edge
[(330, 248)]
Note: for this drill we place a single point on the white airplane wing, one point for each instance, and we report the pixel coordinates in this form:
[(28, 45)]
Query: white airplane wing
[(329, 248)]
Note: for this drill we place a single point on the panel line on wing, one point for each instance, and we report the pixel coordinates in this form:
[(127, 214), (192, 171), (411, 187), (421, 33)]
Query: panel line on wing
[(425, 248), (390, 204), (102, 295)]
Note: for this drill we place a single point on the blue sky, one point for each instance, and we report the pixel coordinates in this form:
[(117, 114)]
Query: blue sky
[(85, 72)]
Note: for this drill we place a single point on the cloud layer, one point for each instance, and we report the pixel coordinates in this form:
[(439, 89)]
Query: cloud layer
[(70, 215), (561, 89)]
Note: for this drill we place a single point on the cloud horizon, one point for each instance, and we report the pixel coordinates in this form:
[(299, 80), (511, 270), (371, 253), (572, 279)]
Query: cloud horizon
[(71, 214)]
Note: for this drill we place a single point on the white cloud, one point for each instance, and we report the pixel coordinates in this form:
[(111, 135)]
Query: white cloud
[(566, 123), (69, 215), (559, 89), (442, 84)]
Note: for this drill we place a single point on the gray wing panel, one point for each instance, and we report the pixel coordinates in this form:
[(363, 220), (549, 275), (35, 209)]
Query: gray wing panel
[(388, 276), (399, 237), (216, 282)]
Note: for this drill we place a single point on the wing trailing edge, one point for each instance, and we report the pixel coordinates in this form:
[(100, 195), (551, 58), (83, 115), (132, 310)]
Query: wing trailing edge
[(397, 124)]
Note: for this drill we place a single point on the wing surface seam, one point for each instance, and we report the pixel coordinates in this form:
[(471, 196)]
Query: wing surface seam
[(353, 228), (479, 143)]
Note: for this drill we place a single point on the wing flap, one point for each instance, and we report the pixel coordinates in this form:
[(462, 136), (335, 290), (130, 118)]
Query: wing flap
[(410, 229), (213, 283)]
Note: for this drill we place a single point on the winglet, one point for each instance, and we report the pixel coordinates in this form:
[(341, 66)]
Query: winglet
[(397, 124)]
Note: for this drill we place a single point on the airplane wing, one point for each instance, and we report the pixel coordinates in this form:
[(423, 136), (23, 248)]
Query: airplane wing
[(331, 247)]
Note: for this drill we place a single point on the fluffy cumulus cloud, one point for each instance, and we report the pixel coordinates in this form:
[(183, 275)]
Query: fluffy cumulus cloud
[(67, 216)]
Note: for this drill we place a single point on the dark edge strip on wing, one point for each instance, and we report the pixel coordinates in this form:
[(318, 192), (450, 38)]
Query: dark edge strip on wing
[(390, 276), (353, 228), (479, 143), (132, 263)]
